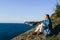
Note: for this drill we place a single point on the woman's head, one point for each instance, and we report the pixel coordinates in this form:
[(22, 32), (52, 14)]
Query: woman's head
[(47, 16)]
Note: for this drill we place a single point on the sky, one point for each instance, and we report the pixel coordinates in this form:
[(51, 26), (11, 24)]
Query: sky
[(19, 11)]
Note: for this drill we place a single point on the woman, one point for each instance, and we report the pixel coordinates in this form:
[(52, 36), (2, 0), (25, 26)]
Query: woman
[(47, 24)]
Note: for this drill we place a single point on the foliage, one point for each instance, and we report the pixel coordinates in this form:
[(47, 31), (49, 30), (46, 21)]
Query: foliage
[(57, 12)]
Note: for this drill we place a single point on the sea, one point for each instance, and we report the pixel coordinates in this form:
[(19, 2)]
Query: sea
[(11, 30)]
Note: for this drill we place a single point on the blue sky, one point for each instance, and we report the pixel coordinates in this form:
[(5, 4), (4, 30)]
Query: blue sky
[(17, 11)]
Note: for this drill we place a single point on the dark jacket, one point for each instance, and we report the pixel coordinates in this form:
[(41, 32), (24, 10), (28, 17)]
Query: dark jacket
[(47, 24)]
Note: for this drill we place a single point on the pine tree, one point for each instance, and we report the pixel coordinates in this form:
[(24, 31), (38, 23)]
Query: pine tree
[(57, 12)]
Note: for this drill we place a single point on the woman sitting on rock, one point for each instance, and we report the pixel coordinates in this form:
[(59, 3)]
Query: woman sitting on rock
[(45, 27)]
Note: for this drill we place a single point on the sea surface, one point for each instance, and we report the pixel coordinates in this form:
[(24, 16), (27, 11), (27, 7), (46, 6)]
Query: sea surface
[(11, 30)]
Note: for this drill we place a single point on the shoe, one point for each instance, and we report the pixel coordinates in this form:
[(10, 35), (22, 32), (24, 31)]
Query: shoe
[(39, 33), (34, 33)]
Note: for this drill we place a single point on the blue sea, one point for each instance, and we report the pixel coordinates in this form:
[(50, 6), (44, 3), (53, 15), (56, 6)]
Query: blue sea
[(11, 30)]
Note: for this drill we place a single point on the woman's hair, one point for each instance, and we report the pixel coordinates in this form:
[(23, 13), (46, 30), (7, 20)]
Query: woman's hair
[(47, 15)]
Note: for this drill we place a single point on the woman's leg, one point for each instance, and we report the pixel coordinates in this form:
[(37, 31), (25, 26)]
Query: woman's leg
[(37, 28), (40, 29)]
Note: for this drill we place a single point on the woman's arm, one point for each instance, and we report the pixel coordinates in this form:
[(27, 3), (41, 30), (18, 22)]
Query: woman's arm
[(46, 23)]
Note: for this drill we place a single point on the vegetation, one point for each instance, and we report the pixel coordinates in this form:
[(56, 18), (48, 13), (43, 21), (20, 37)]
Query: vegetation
[(57, 12)]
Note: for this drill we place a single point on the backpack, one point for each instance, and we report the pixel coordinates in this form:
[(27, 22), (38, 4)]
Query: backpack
[(47, 32)]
